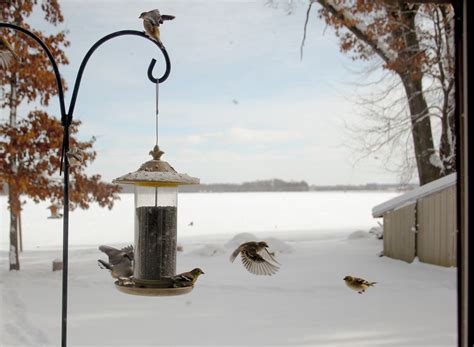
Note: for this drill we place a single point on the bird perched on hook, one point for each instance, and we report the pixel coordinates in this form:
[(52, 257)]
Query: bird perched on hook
[(151, 22), (358, 284), (120, 261), (7, 54), (256, 258), (186, 279)]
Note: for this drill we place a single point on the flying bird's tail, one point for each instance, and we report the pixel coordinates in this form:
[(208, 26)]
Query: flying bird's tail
[(371, 284)]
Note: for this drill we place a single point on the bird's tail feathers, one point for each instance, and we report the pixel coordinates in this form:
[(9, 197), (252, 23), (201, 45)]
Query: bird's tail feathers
[(234, 255), (104, 265), (372, 283)]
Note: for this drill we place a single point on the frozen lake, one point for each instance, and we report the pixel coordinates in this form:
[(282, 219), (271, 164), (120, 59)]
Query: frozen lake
[(213, 215), (305, 303)]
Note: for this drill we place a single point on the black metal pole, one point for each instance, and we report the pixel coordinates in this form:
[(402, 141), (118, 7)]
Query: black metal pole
[(66, 120), (65, 242)]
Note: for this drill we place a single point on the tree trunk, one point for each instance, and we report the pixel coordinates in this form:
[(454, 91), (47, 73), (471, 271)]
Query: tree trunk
[(421, 131), (410, 71), (14, 259), (20, 232), (13, 198)]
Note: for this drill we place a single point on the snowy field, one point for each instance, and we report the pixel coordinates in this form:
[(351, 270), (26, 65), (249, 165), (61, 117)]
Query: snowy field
[(315, 237)]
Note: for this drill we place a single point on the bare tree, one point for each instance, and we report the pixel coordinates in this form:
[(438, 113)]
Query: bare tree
[(414, 45)]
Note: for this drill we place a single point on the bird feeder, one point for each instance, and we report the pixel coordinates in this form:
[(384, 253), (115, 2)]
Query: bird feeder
[(156, 209)]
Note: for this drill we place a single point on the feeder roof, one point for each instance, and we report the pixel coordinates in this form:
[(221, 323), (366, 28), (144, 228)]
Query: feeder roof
[(156, 172)]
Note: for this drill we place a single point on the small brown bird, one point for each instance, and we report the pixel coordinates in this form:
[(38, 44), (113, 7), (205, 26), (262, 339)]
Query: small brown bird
[(358, 284), (151, 22), (75, 156), (7, 54), (256, 258), (120, 261), (186, 279)]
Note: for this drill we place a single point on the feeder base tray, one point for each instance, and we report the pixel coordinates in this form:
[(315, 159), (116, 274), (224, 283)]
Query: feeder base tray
[(143, 290)]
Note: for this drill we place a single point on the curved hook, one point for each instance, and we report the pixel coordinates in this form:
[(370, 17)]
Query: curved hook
[(166, 73), (100, 42), (57, 75)]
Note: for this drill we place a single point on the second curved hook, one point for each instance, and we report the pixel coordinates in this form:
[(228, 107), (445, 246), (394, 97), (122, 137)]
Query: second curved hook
[(166, 73)]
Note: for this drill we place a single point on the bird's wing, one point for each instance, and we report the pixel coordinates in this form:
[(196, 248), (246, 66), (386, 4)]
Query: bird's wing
[(5, 59), (234, 254), (6, 53), (166, 17), (115, 255), (267, 256), (153, 17), (128, 251), (185, 276), (257, 265), (362, 281)]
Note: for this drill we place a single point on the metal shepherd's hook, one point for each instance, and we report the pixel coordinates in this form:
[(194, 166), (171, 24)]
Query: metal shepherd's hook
[(66, 120)]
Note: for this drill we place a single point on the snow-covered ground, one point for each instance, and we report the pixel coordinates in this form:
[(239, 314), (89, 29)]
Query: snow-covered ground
[(305, 303)]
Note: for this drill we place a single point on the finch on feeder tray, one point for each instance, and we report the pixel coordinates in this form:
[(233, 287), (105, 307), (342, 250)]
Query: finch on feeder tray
[(151, 22), (7, 54), (75, 156), (358, 284), (120, 261), (186, 279), (256, 258)]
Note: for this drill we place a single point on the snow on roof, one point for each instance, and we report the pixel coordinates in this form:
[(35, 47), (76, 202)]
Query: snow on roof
[(414, 195)]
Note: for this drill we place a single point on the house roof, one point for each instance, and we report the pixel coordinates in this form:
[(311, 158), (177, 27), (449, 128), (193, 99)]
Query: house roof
[(413, 195)]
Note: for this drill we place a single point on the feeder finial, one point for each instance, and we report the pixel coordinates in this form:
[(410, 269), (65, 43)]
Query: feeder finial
[(156, 153)]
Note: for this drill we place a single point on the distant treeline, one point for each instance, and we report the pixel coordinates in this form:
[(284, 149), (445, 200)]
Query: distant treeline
[(277, 185)]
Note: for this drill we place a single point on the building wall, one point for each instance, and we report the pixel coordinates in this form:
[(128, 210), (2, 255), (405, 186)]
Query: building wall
[(399, 235), (433, 218), (437, 228)]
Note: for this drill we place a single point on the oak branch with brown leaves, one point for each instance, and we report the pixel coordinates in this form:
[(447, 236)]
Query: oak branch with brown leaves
[(413, 43), (30, 144), (34, 146)]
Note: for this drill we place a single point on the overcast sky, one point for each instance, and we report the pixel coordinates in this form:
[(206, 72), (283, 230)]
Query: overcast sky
[(239, 104)]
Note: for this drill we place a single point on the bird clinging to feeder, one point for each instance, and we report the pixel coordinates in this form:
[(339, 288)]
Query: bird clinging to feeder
[(120, 261), (151, 22), (256, 258)]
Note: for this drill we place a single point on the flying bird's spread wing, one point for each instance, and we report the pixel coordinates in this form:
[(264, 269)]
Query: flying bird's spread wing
[(257, 265), (267, 255)]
